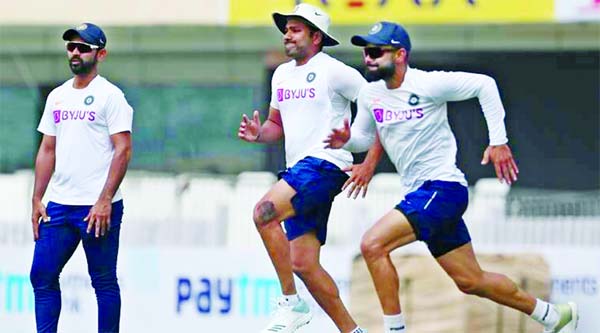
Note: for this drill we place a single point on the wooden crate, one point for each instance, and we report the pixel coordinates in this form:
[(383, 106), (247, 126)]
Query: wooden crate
[(432, 303)]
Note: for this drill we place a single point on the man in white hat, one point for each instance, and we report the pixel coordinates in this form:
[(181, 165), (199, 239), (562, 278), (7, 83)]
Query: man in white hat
[(311, 94)]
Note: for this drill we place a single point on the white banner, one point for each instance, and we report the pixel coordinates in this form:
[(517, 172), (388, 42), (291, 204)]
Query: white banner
[(575, 274), (215, 290), (576, 277), (167, 290), (577, 10)]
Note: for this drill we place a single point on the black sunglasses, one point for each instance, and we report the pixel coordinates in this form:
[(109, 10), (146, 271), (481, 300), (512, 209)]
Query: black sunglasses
[(375, 52), (81, 46)]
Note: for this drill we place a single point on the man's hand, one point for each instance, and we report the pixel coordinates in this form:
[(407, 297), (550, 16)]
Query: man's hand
[(338, 137), (38, 213), (99, 217), (360, 178), (250, 128), (504, 163)]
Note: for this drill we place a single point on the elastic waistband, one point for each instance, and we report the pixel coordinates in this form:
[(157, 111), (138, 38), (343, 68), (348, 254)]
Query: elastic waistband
[(442, 184)]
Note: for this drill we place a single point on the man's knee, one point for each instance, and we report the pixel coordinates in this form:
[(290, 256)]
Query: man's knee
[(264, 212), (371, 247), (42, 278), (471, 285), (106, 280), (303, 265)]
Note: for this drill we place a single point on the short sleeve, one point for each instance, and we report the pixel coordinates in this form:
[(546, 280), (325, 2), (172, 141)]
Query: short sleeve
[(119, 114), (274, 95), (49, 118), (346, 81)]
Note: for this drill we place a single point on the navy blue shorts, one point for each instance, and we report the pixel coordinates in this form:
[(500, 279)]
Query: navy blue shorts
[(435, 212), (316, 182)]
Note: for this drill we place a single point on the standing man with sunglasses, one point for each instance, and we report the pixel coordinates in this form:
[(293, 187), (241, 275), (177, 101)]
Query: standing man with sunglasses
[(406, 110), (82, 159), (310, 95)]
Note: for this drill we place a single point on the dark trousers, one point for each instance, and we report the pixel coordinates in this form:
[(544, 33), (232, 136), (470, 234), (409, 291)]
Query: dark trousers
[(57, 242)]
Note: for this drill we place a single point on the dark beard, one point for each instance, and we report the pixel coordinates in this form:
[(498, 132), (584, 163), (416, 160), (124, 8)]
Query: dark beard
[(82, 67), (382, 73), (296, 54)]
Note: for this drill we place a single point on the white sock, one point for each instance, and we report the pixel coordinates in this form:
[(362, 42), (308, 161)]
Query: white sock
[(545, 314), (358, 330), (291, 300), (394, 323)]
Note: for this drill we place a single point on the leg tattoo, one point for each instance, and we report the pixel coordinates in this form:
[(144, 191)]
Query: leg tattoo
[(265, 212)]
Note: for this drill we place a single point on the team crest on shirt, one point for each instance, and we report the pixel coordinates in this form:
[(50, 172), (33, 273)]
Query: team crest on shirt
[(413, 100), (311, 77), (88, 100)]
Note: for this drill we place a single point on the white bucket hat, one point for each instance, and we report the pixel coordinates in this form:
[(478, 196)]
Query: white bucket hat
[(314, 15)]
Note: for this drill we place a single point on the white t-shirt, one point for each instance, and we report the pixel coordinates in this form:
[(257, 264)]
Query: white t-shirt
[(82, 120), (313, 99), (412, 122)]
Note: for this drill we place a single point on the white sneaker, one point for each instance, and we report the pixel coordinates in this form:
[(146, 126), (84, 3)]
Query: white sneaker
[(288, 318), (568, 319)]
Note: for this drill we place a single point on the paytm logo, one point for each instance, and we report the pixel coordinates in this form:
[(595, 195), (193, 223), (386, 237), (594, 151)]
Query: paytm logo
[(16, 292), (303, 93), (245, 295), (389, 116)]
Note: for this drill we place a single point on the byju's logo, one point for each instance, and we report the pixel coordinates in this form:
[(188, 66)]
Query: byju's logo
[(389, 116), (63, 115), (302, 93), (378, 113), (56, 114)]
